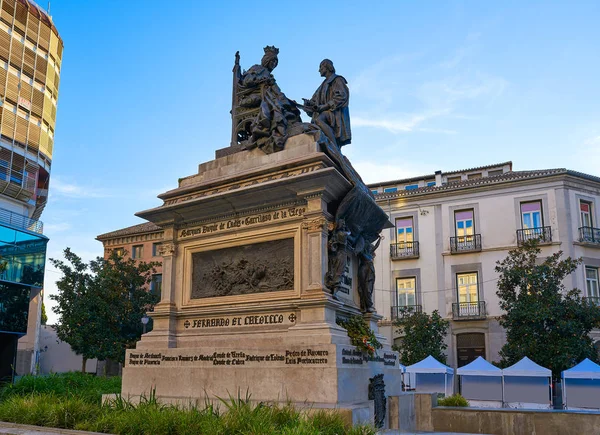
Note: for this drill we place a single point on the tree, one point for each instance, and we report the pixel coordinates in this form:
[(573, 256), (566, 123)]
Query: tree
[(44, 318), (423, 335), (543, 320), (100, 305)]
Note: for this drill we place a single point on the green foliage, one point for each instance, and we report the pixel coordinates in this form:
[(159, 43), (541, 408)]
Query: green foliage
[(455, 400), (101, 304), (361, 335), (72, 401), (44, 318), (543, 320), (73, 384), (423, 335)]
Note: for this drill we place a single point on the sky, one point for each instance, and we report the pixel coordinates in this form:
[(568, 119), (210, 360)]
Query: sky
[(145, 93)]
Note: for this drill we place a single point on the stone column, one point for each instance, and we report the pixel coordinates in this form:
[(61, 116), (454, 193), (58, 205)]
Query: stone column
[(164, 314)]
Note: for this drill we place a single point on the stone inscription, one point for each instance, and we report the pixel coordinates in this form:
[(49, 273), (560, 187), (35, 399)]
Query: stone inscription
[(240, 321), (356, 357), (242, 222), (302, 357), (247, 269)]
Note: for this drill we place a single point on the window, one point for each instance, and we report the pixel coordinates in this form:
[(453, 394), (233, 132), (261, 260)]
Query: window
[(464, 223), (474, 176), (467, 288), (495, 173), (404, 232), (453, 179), (374, 192), (411, 187), (119, 251), (430, 183), (591, 282), (156, 249), (585, 210), (405, 291), (531, 215), (156, 284), (390, 189), (137, 251)]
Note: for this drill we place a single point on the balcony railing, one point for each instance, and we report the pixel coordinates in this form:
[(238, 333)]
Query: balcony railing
[(399, 251), (470, 243), (403, 310), (468, 310), (20, 221), (542, 234), (594, 300), (589, 235)]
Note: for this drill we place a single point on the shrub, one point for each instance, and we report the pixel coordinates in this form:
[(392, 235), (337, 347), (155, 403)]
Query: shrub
[(361, 335), (455, 400)]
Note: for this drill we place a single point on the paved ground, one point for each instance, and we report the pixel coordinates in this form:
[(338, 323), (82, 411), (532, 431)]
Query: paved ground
[(21, 429), (395, 432)]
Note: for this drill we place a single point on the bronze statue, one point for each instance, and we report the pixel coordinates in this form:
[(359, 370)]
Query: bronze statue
[(328, 107), (261, 113), (366, 275), (338, 255)]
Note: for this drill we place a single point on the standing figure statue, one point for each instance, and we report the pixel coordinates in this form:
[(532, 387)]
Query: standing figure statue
[(366, 275), (338, 255), (328, 107), (262, 113)]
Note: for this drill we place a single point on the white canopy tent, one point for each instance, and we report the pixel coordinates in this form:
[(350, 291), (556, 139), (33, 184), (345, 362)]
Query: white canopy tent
[(527, 385), (431, 376), (583, 383), (481, 383)]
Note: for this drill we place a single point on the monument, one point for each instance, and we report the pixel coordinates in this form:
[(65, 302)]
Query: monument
[(264, 250)]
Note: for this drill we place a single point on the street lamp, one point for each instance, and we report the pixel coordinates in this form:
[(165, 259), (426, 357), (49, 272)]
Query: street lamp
[(145, 321)]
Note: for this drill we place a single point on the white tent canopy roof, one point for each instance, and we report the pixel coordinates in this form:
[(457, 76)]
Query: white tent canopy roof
[(402, 368), (429, 365), (586, 369), (526, 367), (479, 367)]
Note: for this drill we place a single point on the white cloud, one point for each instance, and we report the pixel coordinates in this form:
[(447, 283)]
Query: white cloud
[(593, 143), (75, 190), (441, 93), (50, 228)]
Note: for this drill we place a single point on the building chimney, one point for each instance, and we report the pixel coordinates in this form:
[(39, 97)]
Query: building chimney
[(438, 178)]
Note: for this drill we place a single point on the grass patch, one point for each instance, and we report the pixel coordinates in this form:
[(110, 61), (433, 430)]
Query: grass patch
[(86, 387), (72, 401)]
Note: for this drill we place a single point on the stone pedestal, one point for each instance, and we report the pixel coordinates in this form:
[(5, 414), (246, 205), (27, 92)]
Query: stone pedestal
[(244, 307)]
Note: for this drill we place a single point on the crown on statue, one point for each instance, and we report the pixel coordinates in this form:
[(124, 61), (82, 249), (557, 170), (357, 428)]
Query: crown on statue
[(271, 49)]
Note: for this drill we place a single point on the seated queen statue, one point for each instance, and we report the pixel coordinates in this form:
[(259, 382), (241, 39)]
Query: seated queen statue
[(264, 114)]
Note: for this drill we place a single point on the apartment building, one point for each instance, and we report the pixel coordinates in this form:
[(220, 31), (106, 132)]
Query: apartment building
[(450, 230), (141, 242)]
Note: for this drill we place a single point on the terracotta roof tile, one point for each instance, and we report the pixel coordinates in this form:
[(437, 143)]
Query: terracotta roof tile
[(146, 227)]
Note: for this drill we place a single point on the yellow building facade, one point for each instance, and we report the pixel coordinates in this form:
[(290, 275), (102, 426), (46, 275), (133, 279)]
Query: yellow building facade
[(30, 64)]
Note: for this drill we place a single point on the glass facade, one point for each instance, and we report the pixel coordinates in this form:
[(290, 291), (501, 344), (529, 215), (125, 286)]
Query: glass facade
[(14, 308), (23, 255)]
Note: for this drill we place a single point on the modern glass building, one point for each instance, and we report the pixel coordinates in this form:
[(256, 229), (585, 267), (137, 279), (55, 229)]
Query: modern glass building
[(30, 66), (22, 262)]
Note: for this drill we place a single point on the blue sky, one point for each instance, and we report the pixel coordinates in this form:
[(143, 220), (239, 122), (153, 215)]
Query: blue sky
[(145, 92)]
